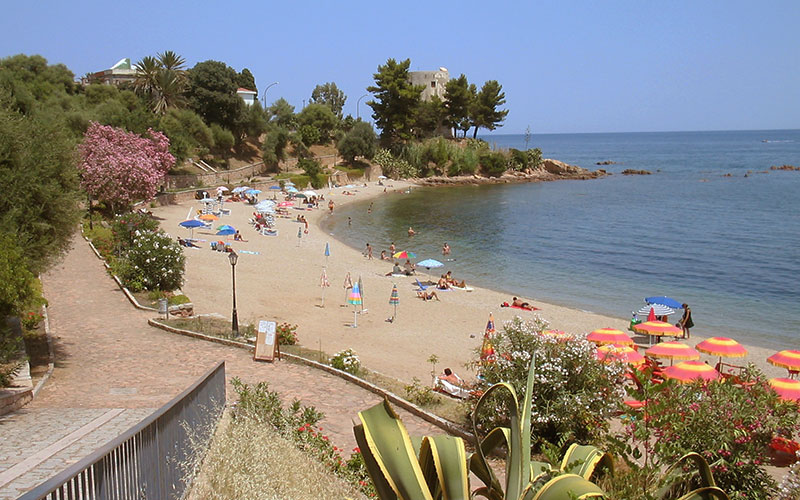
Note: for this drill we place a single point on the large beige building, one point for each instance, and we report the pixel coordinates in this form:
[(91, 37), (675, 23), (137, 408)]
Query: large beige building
[(119, 73), (434, 82)]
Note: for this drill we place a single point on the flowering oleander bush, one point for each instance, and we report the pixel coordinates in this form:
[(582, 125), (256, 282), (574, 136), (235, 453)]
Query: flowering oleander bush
[(120, 167), (346, 360), (574, 393), (125, 227), (31, 320), (154, 261), (730, 424), (287, 334), (789, 488)]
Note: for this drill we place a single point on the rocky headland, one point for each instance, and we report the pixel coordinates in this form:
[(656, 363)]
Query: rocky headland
[(548, 170)]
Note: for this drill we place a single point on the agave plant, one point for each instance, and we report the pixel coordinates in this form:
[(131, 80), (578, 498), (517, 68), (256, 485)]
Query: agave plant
[(438, 467)]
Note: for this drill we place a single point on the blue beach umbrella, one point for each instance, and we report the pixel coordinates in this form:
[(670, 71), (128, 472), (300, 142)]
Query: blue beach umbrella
[(276, 187), (430, 264), (191, 224), (253, 191), (664, 301)]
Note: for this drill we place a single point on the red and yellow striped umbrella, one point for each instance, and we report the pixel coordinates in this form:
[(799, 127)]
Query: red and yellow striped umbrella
[(722, 346), (786, 359), (604, 336), (689, 371), (672, 350), (787, 389), (659, 328), (613, 352), (559, 334)]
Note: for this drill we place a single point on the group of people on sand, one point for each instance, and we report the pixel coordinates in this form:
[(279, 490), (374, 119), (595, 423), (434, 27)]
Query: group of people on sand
[(408, 269), (446, 282)]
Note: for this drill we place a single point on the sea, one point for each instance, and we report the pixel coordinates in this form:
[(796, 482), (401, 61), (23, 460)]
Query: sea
[(713, 226)]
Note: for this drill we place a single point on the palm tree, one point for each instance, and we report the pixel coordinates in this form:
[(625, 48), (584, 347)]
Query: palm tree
[(172, 61), (146, 71), (170, 91)]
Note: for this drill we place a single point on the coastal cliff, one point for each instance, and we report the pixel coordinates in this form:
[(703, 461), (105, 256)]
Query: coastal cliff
[(548, 170)]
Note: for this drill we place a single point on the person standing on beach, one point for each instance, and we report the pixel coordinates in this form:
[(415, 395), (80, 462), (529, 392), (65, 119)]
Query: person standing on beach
[(368, 251), (686, 321), (330, 206)]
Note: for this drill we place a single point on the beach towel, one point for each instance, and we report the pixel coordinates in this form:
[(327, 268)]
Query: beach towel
[(249, 252), (463, 289), (531, 308)]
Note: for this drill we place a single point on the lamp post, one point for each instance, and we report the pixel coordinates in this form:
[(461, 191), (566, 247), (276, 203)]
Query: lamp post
[(358, 114), (233, 257), (264, 97)]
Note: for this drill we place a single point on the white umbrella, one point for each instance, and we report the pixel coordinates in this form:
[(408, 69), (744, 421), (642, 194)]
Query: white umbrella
[(309, 193), (223, 188), (658, 309), (292, 189), (241, 189), (382, 177), (288, 183)]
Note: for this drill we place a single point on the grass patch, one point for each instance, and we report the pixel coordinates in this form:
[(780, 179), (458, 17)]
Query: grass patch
[(351, 171), (250, 460)]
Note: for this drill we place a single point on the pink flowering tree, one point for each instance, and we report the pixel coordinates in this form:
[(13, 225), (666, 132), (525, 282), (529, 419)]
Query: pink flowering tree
[(120, 167)]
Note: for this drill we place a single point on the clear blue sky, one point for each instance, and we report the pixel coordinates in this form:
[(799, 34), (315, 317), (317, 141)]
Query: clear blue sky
[(565, 66)]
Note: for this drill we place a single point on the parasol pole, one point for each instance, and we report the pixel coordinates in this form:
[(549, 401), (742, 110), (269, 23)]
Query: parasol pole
[(361, 289)]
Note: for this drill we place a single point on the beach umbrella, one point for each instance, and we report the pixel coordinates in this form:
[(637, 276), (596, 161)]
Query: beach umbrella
[(609, 336), (292, 189), (382, 177), (664, 301), (309, 193), (300, 195), (223, 188), (672, 351), (689, 371), (253, 191), (559, 334), (286, 204), (289, 183), (355, 300), (394, 299), (658, 328), (225, 226), (327, 252), (788, 359), (276, 187), (405, 255), (324, 283), (191, 224), (226, 232), (787, 389), (657, 310), (241, 189), (487, 349), (208, 217), (430, 264), (266, 209), (490, 331), (623, 353), (722, 347)]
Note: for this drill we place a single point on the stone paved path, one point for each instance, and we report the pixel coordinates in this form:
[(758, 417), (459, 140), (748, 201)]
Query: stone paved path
[(107, 357)]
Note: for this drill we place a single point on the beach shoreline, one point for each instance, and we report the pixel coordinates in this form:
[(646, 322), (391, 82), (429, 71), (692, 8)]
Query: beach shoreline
[(280, 279)]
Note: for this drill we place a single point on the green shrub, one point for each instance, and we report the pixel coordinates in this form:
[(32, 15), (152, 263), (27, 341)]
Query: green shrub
[(393, 167), (31, 320), (346, 360), (419, 394), (10, 346), (102, 238), (177, 300), (128, 227), (154, 261), (287, 334), (493, 163), (575, 393)]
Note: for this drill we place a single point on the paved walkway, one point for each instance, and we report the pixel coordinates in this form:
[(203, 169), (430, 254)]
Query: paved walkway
[(112, 369)]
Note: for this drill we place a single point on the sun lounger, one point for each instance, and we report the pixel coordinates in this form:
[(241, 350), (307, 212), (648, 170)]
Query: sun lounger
[(422, 287)]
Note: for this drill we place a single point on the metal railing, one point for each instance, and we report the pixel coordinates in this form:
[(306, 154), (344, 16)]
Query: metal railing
[(152, 460)]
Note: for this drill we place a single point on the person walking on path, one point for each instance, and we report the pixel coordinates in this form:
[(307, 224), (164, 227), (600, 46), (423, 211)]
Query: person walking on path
[(686, 321)]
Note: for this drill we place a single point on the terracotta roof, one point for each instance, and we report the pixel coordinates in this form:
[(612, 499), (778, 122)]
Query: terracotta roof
[(240, 89)]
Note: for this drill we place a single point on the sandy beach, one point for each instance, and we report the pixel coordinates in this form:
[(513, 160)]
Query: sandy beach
[(280, 281)]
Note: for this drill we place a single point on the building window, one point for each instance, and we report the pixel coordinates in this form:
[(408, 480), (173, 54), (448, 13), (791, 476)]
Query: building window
[(433, 84)]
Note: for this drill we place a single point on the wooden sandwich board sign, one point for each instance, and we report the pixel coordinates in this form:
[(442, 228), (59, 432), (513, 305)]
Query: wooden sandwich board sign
[(266, 342)]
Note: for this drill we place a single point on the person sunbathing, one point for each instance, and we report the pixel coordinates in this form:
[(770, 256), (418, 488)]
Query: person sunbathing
[(443, 284), (426, 296), (384, 256), (238, 236), (454, 282), (449, 376), (518, 303)]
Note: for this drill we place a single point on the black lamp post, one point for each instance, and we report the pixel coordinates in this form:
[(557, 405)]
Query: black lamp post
[(233, 257)]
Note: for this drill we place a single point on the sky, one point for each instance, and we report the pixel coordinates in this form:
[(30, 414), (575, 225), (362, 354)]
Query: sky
[(565, 67)]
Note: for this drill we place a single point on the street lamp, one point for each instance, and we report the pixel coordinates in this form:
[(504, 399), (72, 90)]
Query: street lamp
[(233, 257), (358, 115), (265, 93)]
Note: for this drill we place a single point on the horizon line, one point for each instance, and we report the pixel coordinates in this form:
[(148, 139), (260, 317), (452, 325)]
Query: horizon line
[(649, 132)]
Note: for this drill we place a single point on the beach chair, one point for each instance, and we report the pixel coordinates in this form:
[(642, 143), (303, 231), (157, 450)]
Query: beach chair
[(451, 389), (422, 287)]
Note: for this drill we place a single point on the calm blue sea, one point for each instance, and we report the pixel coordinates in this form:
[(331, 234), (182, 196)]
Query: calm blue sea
[(729, 246)]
